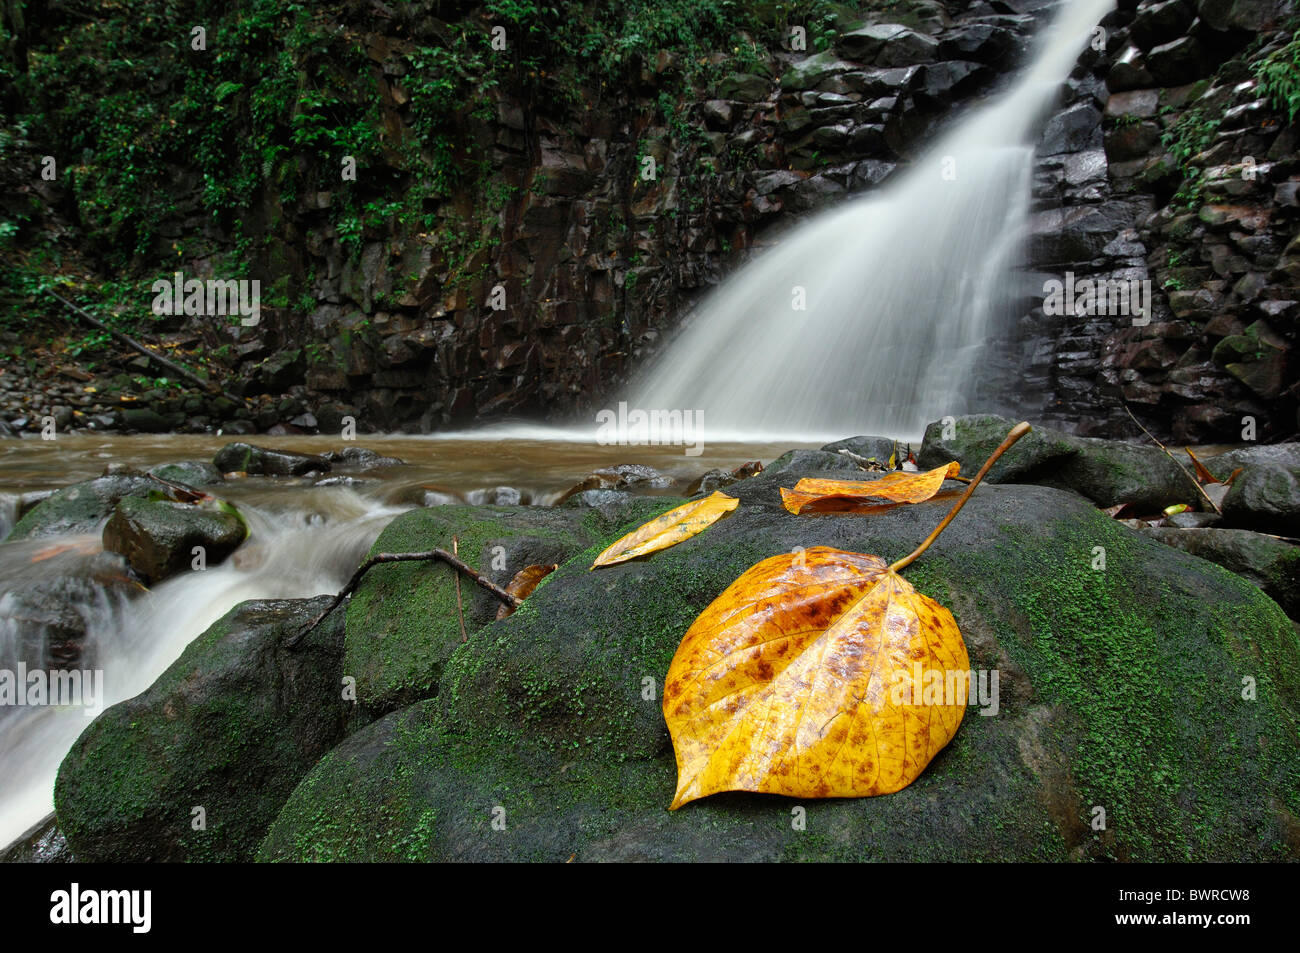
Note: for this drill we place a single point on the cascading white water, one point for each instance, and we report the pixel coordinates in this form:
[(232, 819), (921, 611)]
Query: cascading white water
[(288, 556), (903, 287)]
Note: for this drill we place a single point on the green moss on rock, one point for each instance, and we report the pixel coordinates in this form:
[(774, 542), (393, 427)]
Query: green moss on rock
[(1119, 688), (230, 727)]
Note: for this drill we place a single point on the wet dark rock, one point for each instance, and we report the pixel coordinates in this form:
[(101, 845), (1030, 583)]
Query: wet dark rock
[(1129, 72), (879, 449), (230, 727), (187, 472), (887, 44), (1265, 497), (500, 496), (1159, 23), (1108, 472), (1242, 14), (82, 507), (1074, 130), (44, 843), (158, 538), (810, 71), (52, 603), (979, 42), (263, 461), (712, 480), (148, 420), (1179, 61), (634, 475), (360, 458)]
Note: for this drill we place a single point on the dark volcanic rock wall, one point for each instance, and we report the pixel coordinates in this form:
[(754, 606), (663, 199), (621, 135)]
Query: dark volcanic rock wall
[(524, 259), (1169, 163), (596, 261)]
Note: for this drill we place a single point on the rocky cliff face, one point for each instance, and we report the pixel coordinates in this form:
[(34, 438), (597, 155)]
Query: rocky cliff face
[(618, 211), (1171, 164), (523, 254)]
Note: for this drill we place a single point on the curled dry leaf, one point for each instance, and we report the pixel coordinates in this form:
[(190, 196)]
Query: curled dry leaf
[(804, 678), (862, 496), (671, 528), (1202, 474), (523, 584)]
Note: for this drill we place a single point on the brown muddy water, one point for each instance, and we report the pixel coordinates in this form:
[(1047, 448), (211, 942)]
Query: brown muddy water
[(467, 465)]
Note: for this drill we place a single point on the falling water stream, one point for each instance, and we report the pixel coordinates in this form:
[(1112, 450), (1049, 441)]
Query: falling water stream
[(903, 289)]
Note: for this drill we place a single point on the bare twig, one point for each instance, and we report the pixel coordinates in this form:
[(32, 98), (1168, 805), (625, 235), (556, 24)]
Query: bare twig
[(460, 609), (864, 463), (1196, 483), (441, 555)]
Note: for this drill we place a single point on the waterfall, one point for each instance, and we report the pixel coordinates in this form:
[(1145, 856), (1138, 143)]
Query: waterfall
[(289, 555), (903, 288)]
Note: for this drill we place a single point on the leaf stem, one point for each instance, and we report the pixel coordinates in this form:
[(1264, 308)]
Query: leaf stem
[(1018, 431)]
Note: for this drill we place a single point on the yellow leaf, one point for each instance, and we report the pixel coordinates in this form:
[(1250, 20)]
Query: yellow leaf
[(839, 495), (669, 529), (813, 675)]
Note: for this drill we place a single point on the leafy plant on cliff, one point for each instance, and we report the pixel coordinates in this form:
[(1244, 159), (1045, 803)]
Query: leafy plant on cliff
[(1279, 77)]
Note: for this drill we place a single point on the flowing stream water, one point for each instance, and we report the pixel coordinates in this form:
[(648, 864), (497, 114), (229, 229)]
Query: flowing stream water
[(903, 288), (304, 540)]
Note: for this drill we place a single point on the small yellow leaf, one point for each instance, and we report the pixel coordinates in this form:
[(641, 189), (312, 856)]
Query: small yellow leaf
[(669, 529), (897, 487)]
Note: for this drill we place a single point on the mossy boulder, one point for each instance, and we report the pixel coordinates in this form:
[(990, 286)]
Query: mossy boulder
[(403, 623), (230, 727), (1265, 497), (1120, 688), (1108, 472), (1271, 563), (83, 507), (158, 537), (811, 70)]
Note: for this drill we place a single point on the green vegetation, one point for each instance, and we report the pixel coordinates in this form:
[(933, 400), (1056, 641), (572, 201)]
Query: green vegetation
[(259, 124), (1279, 77)]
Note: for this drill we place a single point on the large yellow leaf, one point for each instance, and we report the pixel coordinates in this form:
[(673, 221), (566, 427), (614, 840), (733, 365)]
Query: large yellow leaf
[(856, 495), (800, 680), (669, 529)]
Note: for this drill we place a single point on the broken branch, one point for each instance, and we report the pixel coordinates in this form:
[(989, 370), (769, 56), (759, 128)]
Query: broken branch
[(439, 555)]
